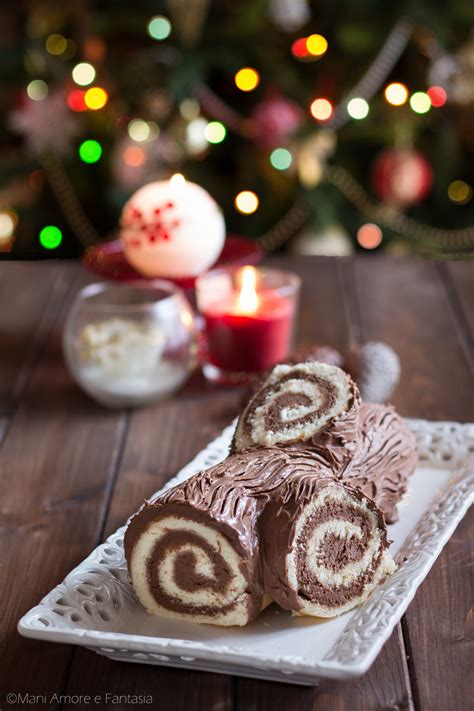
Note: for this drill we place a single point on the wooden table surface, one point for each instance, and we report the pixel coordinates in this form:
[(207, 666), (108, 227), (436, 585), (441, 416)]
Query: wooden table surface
[(71, 472)]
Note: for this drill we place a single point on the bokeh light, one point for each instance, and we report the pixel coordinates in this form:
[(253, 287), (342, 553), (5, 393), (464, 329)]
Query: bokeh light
[(56, 44), (70, 51), (247, 79), (358, 108), (76, 100), (139, 130), (316, 45), (420, 102), (459, 192), (246, 202), (50, 237), (438, 96), (83, 74), (8, 222), (96, 98), (299, 48), (281, 158), (321, 109), (396, 94), (159, 27), (37, 90), (90, 151), (189, 109), (369, 236), (215, 132), (133, 156), (196, 135)]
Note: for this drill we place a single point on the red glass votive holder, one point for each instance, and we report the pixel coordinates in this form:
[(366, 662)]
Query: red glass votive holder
[(249, 318)]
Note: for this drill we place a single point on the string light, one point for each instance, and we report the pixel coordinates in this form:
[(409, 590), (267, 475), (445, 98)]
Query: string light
[(438, 96), (369, 236), (76, 100), (56, 44), (37, 90), (321, 109), (215, 132), (50, 237), (8, 222), (299, 48), (459, 192), (96, 98), (358, 108), (133, 156), (281, 158), (396, 94), (420, 102), (247, 79), (159, 27), (196, 135), (316, 45), (90, 151), (246, 202), (83, 74), (139, 130), (189, 109)]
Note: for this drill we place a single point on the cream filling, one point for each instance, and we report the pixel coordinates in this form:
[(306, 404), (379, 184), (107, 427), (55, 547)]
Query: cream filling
[(235, 592), (351, 571)]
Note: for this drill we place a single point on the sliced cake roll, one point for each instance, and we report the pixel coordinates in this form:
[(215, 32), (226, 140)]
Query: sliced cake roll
[(325, 546), (385, 459), (194, 552), (310, 404)]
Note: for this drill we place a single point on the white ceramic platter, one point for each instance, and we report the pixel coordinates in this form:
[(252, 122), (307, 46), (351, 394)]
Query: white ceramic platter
[(95, 606)]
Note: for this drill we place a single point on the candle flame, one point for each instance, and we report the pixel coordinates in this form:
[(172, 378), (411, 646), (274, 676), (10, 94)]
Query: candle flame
[(247, 302), (177, 182)]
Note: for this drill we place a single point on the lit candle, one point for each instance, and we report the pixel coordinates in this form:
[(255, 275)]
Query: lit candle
[(248, 315)]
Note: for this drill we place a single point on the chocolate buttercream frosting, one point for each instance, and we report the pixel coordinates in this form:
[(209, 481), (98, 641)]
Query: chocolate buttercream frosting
[(385, 458)]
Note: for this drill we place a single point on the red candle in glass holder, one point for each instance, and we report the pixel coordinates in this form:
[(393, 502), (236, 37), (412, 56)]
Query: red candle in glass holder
[(248, 315)]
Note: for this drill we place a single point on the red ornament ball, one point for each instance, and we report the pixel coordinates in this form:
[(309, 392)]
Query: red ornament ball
[(275, 119), (402, 177)]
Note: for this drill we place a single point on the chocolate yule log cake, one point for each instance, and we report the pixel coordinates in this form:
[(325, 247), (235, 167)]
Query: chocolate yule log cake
[(194, 552), (325, 546), (310, 404), (385, 458), (198, 552)]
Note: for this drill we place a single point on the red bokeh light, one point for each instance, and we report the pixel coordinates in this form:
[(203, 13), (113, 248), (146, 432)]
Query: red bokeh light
[(299, 48), (75, 100), (437, 96)]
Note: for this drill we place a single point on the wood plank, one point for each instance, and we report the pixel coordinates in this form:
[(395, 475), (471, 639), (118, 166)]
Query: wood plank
[(404, 302), (162, 439), (56, 464), (462, 275), (30, 297)]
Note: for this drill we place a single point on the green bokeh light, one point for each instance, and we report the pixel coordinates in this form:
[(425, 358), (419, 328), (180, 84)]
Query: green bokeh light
[(281, 158), (159, 27), (215, 132), (50, 237), (90, 151)]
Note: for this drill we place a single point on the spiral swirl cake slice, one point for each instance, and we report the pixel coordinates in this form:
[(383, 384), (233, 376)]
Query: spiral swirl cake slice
[(385, 458), (194, 552), (312, 404), (325, 546)]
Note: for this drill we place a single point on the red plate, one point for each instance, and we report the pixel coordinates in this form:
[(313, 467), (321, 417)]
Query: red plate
[(107, 260)]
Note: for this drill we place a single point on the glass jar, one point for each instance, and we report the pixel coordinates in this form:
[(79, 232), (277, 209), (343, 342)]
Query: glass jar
[(132, 344)]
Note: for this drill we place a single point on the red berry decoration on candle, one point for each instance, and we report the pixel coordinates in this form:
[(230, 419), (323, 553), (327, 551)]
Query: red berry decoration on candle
[(402, 177), (172, 228)]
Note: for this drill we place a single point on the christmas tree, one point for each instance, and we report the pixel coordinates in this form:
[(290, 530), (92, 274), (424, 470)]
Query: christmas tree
[(318, 127)]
